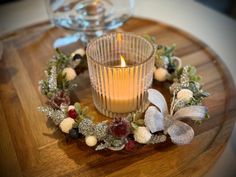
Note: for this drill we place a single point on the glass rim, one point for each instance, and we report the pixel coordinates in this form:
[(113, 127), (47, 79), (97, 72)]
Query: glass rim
[(149, 57)]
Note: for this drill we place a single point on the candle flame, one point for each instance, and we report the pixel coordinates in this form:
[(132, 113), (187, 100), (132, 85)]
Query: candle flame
[(122, 61), (119, 37)]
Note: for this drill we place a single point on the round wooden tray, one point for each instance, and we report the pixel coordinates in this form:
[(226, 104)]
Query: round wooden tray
[(32, 146)]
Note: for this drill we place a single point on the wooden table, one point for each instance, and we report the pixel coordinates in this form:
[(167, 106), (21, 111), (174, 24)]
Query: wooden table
[(32, 146)]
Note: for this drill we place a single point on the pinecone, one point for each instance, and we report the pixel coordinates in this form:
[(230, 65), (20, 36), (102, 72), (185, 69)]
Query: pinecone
[(119, 127), (59, 98)]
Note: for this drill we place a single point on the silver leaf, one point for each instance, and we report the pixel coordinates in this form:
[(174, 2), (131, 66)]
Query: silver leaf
[(192, 112), (180, 133), (156, 98), (153, 119)]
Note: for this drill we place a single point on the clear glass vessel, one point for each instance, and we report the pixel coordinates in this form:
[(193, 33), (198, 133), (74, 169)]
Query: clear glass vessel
[(87, 19), (121, 71)]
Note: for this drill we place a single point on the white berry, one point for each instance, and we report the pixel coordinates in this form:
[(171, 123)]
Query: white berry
[(70, 73), (160, 74), (142, 135), (71, 107), (185, 95), (79, 51), (66, 124), (91, 141)]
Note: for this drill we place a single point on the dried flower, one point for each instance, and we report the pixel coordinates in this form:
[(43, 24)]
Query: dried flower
[(180, 132), (59, 98), (119, 127)]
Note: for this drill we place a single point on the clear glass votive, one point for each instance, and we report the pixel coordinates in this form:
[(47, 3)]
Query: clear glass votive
[(121, 70)]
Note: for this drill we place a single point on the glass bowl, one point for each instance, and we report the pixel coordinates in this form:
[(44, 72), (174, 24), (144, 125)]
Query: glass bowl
[(87, 19)]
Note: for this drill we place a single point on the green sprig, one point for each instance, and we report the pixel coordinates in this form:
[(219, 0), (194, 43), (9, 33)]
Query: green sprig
[(82, 112), (135, 119)]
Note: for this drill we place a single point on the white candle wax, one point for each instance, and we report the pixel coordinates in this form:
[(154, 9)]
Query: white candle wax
[(121, 88)]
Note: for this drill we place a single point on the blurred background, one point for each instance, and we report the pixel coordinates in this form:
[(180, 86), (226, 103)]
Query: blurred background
[(227, 7)]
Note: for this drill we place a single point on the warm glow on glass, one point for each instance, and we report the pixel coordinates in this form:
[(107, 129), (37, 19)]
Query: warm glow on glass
[(122, 61), (121, 71), (119, 37)]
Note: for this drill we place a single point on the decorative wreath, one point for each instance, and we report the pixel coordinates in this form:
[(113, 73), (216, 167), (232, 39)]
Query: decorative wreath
[(154, 126)]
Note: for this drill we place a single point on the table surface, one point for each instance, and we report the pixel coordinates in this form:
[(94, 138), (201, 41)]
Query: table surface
[(35, 151), (216, 30)]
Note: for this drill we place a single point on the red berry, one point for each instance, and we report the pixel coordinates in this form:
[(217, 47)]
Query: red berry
[(72, 113), (130, 145), (119, 127)]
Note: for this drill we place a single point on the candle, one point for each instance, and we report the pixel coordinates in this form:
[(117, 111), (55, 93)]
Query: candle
[(121, 70), (121, 88)]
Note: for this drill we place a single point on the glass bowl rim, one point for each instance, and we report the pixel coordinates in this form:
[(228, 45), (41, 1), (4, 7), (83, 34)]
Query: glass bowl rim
[(149, 57)]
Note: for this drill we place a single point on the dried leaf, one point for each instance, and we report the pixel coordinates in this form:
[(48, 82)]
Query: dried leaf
[(156, 98), (77, 107), (85, 110), (154, 119), (192, 112), (134, 125), (139, 122), (180, 133)]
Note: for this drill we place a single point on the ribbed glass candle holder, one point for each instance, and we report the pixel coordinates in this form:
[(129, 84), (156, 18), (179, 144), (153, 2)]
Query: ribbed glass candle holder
[(121, 70)]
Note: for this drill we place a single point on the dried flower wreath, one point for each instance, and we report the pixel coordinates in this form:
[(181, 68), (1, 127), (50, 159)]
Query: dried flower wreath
[(158, 122)]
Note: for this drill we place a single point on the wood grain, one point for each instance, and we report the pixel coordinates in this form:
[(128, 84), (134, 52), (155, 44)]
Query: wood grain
[(32, 146)]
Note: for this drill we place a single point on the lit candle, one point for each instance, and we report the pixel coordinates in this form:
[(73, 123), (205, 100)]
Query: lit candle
[(121, 70), (121, 88)]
